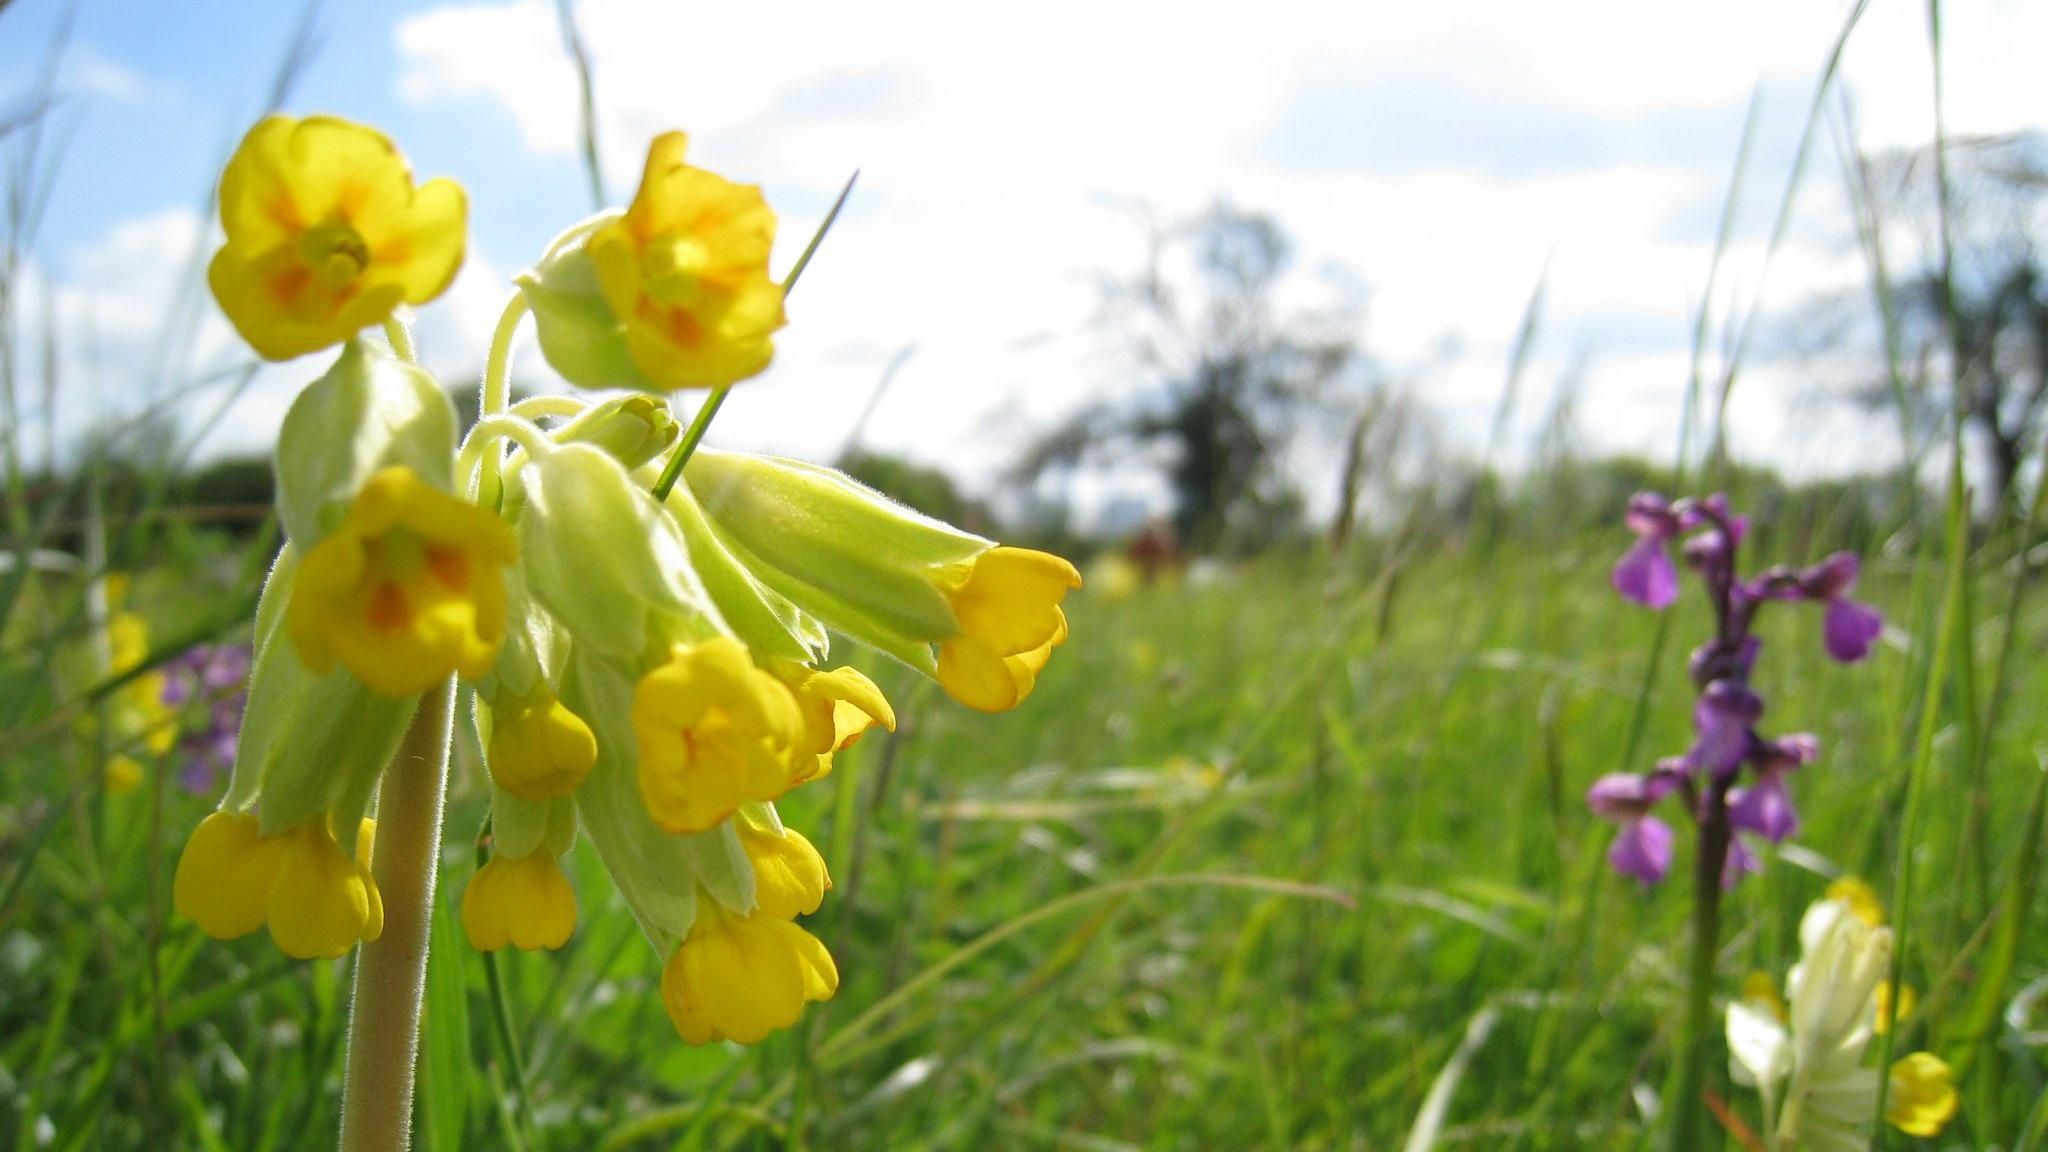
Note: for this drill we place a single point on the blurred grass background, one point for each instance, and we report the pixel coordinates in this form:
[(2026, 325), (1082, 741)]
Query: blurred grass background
[(1288, 851)]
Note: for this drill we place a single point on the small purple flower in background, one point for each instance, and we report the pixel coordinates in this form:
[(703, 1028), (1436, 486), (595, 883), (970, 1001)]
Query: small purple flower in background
[(1643, 847), (211, 680), (1645, 573), (1727, 710)]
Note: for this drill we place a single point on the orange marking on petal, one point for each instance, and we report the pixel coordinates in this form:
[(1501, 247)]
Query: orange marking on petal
[(450, 567), (387, 609), (682, 328), (288, 285)]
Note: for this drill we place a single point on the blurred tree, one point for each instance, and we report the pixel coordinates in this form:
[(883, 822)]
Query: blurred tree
[(1980, 322), (1227, 376)]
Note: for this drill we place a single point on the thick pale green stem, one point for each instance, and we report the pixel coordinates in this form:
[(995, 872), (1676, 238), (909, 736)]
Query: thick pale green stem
[(1687, 1100), (391, 971), (395, 330)]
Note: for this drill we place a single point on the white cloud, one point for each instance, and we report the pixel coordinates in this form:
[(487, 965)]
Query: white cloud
[(1002, 155)]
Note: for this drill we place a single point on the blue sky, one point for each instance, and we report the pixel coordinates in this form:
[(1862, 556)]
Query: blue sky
[(1443, 155)]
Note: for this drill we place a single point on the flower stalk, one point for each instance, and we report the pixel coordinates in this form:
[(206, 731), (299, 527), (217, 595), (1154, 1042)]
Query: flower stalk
[(391, 971)]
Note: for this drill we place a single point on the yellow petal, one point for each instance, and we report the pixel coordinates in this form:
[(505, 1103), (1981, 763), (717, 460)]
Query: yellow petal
[(319, 905), (523, 901), (740, 979), (1923, 1095), (224, 875), (1009, 600), (789, 874)]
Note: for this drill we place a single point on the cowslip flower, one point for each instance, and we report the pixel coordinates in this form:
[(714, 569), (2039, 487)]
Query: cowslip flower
[(406, 590), (647, 672), (524, 901), (980, 618), (685, 269), (317, 898), (714, 732), (739, 976), (136, 712), (327, 234)]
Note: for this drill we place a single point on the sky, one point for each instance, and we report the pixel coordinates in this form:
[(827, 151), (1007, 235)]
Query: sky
[(1446, 157)]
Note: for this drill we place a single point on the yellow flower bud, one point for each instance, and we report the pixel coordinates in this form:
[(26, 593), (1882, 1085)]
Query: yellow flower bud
[(740, 978), (838, 706), (538, 748), (322, 900), (224, 874), (713, 732), (122, 775), (685, 269), (326, 234), (1923, 1095), (406, 590), (524, 901), (789, 875)]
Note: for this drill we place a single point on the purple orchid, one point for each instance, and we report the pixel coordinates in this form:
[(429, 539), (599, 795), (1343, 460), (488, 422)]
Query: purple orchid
[(1643, 847), (210, 680), (1645, 573), (1727, 711)]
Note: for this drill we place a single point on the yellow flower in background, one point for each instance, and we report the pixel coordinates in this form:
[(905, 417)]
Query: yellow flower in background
[(539, 748), (1860, 897), (838, 707), (1923, 1095), (1883, 1011), (739, 978), (1008, 604), (327, 235), (406, 590), (318, 899), (523, 901), (714, 732), (686, 271)]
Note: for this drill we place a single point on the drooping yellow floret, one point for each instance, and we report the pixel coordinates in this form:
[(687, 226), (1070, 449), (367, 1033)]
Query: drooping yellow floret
[(327, 235), (524, 901), (322, 902), (838, 705), (224, 874), (1923, 1095), (317, 898), (789, 876), (685, 269), (713, 732), (406, 590), (740, 978), (1008, 604), (539, 749)]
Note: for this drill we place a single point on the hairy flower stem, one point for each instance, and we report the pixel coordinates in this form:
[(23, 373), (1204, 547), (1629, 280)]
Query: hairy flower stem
[(391, 971), (1696, 1028)]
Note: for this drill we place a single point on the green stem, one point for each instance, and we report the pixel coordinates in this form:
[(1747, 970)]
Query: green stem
[(497, 390), (693, 435), (401, 340), (391, 971), (1687, 1099)]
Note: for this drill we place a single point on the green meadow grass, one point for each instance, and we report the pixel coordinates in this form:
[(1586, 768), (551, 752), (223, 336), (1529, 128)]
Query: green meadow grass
[(1293, 857)]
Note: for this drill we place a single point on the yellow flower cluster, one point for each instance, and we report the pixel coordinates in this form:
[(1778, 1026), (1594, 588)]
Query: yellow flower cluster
[(650, 672)]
